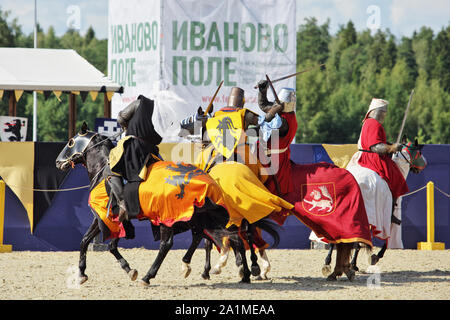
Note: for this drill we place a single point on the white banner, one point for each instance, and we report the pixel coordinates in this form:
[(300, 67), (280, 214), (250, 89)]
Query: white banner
[(206, 41), (133, 48), (13, 128)]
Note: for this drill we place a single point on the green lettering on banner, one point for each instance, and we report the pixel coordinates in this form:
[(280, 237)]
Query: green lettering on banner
[(252, 30), (264, 37), (214, 33), (200, 35), (228, 71), (133, 37), (175, 76), (140, 37), (210, 70), (147, 37), (192, 71), (154, 34), (234, 36), (284, 37), (119, 39), (122, 71), (127, 40), (181, 35)]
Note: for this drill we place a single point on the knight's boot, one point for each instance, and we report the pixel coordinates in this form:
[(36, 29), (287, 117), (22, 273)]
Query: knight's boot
[(123, 214), (116, 184)]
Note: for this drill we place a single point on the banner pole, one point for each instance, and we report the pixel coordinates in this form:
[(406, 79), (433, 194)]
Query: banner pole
[(3, 247)]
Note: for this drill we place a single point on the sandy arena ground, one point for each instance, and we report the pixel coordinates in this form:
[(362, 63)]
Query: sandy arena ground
[(295, 274)]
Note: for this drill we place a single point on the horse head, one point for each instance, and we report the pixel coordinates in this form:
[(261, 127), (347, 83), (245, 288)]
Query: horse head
[(74, 152), (412, 152)]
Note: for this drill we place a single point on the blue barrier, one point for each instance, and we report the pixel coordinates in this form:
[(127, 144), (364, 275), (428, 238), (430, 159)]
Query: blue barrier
[(68, 217)]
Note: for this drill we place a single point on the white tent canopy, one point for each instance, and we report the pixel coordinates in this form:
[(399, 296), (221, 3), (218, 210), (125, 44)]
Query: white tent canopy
[(57, 70), (50, 69)]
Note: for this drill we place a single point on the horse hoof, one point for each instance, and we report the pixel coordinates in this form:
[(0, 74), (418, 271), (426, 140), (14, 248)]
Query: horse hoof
[(83, 279), (186, 269), (133, 274), (331, 277), (256, 271), (374, 259), (205, 276), (144, 283), (350, 275), (326, 270), (354, 268), (245, 280), (216, 270)]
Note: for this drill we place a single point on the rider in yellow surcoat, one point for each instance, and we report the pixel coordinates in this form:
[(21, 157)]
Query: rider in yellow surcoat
[(239, 172)]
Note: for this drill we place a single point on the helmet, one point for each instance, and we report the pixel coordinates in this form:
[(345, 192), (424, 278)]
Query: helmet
[(236, 98), (377, 104), (287, 95)]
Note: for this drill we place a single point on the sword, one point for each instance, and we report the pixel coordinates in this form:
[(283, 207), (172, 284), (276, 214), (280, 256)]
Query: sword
[(273, 90), (294, 74), (404, 117), (212, 100)]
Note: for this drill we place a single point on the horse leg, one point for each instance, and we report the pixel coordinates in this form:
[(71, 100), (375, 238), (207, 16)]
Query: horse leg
[(353, 266), (164, 247), (208, 249), (342, 262), (90, 234), (224, 252), (132, 273), (249, 232), (326, 269), (376, 257), (239, 251), (186, 268), (347, 251), (265, 264)]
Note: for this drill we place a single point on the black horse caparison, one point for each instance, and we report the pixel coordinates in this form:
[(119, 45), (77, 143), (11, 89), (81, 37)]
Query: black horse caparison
[(92, 151)]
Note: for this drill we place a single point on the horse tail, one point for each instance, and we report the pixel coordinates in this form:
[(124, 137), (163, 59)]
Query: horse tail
[(271, 228)]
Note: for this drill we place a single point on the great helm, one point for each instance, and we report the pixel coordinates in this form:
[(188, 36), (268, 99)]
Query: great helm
[(236, 98), (287, 95)]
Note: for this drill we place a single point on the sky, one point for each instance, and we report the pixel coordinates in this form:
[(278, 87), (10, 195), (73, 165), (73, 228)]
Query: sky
[(401, 17)]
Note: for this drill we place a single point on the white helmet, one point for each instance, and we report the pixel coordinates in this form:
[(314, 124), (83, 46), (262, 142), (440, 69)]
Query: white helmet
[(287, 95), (377, 104)]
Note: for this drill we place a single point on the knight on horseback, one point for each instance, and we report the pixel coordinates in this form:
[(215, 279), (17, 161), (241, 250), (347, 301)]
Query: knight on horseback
[(133, 154), (376, 152)]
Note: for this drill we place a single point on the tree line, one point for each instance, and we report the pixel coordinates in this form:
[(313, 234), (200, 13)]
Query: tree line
[(331, 102)]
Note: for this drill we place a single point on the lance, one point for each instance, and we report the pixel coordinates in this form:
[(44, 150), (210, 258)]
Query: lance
[(212, 100), (404, 117), (293, 75), (273, 90)]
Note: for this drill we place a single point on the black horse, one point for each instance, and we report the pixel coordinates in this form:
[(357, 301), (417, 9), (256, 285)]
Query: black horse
[(92, 150)]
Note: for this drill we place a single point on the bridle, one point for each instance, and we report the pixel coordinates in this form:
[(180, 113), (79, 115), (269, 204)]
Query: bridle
[(87, 137)]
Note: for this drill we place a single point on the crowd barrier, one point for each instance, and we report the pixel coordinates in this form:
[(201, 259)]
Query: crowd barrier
[(59, 219)]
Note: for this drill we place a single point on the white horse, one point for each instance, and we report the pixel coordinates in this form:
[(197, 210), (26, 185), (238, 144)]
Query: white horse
[(384, 217)]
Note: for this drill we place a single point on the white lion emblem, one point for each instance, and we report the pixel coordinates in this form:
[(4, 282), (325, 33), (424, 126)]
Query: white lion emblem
[(321, 199)]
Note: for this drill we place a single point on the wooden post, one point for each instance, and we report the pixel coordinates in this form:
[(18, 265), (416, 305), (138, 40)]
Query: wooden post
[(106, 106), (72, 115), (12, 104)]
